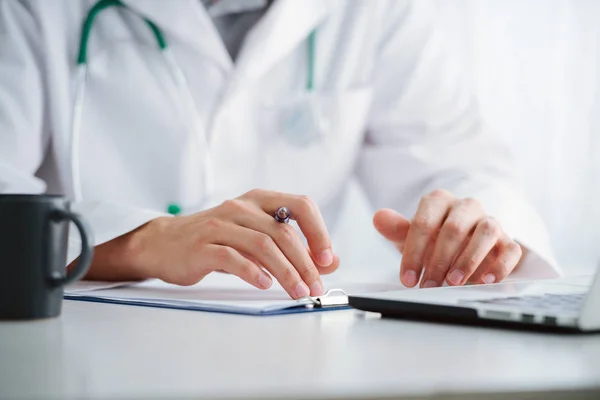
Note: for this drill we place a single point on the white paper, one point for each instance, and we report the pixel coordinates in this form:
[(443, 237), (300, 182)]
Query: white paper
[(223, 292), (88, 286)]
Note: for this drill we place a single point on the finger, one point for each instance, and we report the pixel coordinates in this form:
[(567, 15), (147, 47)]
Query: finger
[(284, 236), (428, 253), (462, 247), (428, 219), (475, 279), (427, 256), (222, 271), (485, 237), (508, 255), (232, 262), (260, 247), (290, 244), (392, 225), (332, 268), (459, 224), (306, 213)]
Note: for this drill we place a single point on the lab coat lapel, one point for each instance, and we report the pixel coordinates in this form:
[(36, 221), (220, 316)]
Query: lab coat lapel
[(188, 21), (284, 26)]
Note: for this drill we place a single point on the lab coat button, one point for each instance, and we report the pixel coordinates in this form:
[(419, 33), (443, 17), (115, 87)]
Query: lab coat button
[(173, 209)]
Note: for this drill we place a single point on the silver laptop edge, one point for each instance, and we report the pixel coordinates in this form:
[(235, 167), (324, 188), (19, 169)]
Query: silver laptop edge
[(480, 298), (589, 318)]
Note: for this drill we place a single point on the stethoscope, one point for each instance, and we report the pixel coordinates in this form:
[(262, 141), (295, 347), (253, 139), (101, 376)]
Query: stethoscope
[(180, 83)]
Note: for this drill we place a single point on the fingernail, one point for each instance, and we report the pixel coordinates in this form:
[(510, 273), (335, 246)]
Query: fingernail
[(489, 278), (264, 281), (325, 259), (455, 277), (302, 290), (316, 289), (410, 278), (430, 284)]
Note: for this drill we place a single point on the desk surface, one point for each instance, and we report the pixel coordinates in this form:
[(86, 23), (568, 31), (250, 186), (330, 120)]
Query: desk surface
[(100, 350)]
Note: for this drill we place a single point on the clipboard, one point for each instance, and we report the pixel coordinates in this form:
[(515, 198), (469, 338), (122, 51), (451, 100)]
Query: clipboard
[(226, 293), (333, 299)]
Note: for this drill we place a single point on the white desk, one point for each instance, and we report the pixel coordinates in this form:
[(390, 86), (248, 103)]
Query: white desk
[(101, 350)]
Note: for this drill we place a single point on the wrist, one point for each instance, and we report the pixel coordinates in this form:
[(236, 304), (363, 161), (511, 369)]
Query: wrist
[(136, 250), (125, 257)]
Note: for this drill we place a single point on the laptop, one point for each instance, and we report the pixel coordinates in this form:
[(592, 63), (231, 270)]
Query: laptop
[(564, 304)]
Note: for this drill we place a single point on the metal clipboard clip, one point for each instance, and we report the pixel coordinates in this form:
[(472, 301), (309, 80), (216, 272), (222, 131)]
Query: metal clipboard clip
[(333, 297)]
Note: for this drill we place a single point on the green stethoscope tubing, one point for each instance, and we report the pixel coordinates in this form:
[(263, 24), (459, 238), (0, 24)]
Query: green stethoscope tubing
[(312, 39), (101, 5), (163, 45), (89, 24)]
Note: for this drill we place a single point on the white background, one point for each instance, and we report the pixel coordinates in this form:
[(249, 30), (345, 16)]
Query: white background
[(534, 66)]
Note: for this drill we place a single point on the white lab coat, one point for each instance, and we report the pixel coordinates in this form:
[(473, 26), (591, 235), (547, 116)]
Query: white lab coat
[(400, 117)]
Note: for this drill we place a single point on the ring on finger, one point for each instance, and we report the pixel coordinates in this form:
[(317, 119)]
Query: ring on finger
[(282, 215)]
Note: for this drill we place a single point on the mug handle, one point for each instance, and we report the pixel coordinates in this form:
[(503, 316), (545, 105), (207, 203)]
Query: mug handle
[(87, 249)]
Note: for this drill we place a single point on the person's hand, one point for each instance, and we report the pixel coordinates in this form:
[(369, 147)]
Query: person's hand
[(240, 237), (450, 239)]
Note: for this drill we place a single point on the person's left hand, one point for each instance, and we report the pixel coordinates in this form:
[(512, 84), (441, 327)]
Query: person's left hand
[(451, 239)]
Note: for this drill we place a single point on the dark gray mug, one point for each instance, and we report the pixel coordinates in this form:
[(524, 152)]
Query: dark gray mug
[(34, 232)]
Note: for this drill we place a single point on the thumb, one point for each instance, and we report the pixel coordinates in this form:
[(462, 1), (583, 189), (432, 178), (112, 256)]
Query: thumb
[(392, 225)]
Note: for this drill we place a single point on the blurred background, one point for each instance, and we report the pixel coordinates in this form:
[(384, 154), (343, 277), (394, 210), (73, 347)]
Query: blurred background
[(534, 66)]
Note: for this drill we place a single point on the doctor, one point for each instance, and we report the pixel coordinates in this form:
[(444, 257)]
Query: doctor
[(221, 112)]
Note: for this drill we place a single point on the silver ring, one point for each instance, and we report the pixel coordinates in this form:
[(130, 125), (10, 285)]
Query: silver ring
[(282, 215)]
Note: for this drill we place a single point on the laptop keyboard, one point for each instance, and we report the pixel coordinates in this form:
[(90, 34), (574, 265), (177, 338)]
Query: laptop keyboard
[(547, 302)]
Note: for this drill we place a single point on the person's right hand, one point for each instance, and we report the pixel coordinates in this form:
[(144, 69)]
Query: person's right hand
[(240, 237)]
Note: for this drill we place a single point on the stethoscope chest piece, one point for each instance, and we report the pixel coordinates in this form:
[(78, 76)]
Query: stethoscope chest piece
[(302, 124)]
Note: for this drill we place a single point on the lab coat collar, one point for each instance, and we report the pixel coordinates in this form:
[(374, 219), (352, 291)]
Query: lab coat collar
[(189, 22), (284, 26)]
